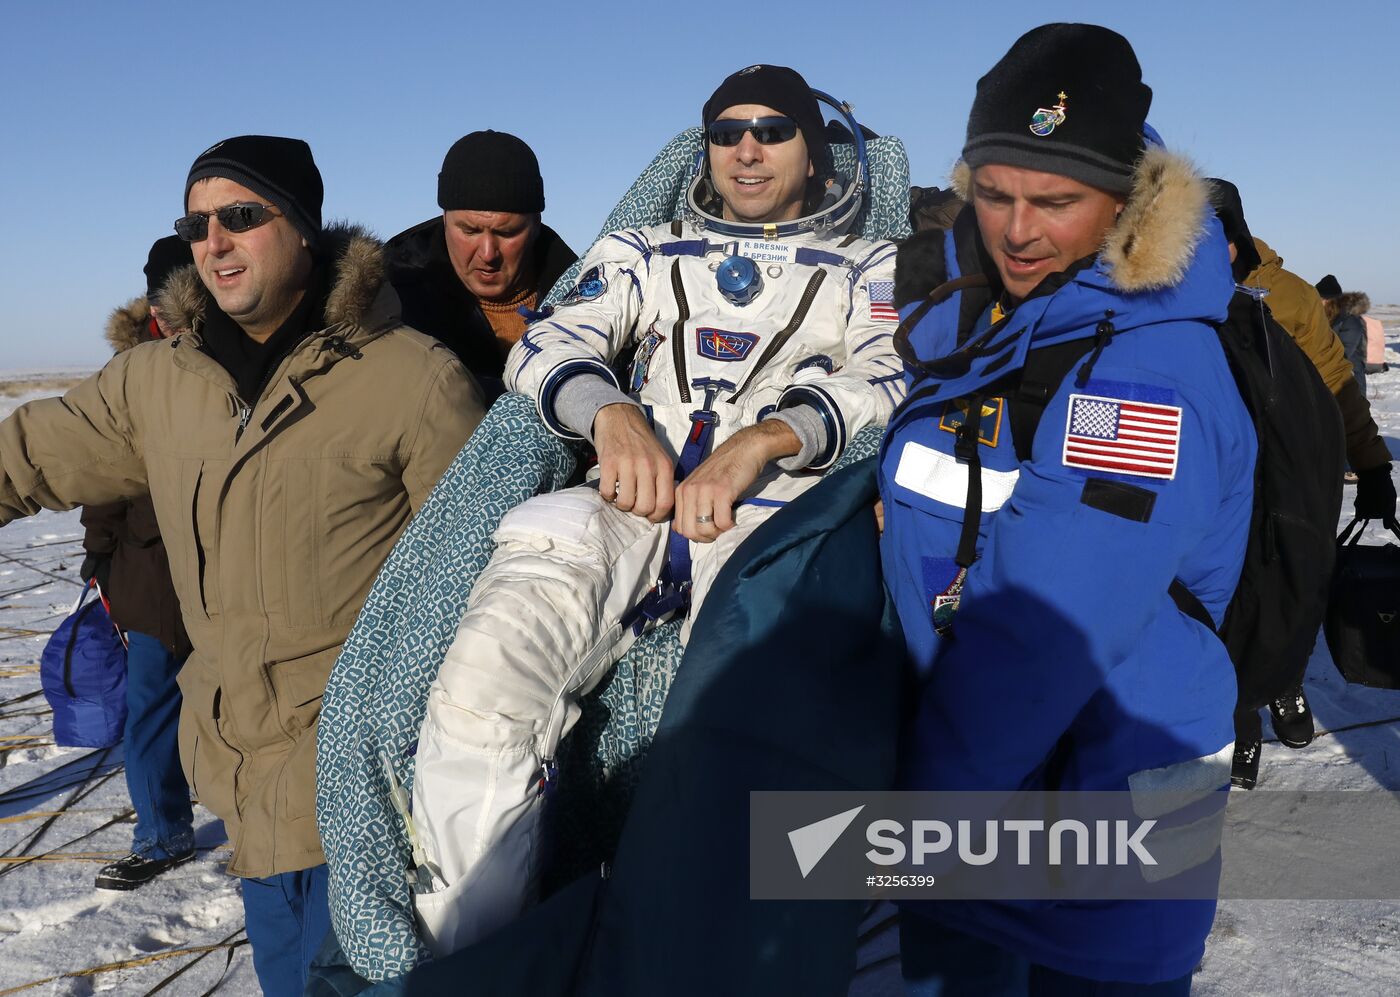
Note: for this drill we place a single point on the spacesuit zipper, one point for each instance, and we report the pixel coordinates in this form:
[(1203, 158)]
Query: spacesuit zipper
[(804, 305), (678, 330)]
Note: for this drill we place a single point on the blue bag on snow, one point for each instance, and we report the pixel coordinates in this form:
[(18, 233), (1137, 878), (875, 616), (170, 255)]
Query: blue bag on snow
[(83, 673)]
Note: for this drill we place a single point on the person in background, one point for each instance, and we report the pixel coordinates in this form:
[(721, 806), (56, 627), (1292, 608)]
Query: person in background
[(464, 276), (1344, 311), (125, 554), (1375, 342), (1296, 306)]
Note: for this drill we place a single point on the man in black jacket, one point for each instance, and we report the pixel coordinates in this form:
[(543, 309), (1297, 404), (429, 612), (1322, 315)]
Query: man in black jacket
[(464, 277)]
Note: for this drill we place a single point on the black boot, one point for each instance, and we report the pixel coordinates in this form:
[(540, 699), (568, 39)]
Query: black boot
[(1244, 770), (1293, 721), (137, 870)]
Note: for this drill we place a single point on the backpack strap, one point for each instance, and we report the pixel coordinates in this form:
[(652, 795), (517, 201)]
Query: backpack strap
[(1041, 377), (1187, 602), (966, 449)]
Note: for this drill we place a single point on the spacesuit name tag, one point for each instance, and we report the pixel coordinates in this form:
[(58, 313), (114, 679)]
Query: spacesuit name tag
[(767, 252)]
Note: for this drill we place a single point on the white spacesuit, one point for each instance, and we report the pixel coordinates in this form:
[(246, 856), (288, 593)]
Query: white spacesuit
[(727, 331)]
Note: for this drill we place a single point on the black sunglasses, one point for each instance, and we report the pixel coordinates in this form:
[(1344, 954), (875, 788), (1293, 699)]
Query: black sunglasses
[(237, 217), (766, 131)]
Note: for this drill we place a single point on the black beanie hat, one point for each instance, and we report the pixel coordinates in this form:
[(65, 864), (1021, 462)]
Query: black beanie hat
[(1066, 99), (785, 91), (491, 171), (1225, 198), (279, 169), (167, 255), (1329, 287)]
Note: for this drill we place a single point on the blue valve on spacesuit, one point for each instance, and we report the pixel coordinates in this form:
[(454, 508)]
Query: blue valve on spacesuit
[(739, 280)]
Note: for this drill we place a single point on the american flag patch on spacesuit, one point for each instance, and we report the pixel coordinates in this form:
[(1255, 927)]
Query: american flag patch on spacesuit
[(1122, 436), (882, 301)]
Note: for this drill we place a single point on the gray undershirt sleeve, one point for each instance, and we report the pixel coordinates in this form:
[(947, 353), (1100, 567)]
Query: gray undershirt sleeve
[(810, 428), (578, 400)]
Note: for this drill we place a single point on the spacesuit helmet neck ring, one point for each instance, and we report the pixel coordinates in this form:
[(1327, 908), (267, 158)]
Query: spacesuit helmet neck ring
[(834, 214)]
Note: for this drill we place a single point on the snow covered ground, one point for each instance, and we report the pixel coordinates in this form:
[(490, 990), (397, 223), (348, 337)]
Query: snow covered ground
[(53, 925)]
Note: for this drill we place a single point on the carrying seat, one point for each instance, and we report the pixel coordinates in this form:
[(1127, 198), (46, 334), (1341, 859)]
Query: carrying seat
[(376, 696)]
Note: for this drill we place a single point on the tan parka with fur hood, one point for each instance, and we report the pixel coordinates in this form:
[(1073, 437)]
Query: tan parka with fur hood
[(1298, 308), (275, 531)]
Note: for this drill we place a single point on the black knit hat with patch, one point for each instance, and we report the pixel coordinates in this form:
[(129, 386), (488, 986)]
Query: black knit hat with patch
[(491, 171), (279, 169), (1066, 99), (785, 91)]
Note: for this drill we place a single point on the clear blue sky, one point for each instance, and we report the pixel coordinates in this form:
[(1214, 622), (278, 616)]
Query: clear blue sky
[(105, 104)]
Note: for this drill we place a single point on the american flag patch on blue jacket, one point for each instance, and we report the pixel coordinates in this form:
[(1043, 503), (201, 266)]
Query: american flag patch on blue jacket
[(1122, 437)]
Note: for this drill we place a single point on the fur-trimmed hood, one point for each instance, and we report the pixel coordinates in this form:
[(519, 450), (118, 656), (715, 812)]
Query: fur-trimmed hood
[(1162, 224), (129, 325), (1353, 303), (358, 263), (1165, 261)]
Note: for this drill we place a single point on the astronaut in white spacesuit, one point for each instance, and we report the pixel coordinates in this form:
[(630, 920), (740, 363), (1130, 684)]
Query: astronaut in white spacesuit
[(763, 340)]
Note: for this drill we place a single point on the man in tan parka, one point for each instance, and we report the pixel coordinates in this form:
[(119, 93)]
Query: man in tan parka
[(286, 436)]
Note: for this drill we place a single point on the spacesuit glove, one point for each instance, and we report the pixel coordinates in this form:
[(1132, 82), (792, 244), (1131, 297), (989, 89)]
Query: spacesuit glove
[(1375, 493)]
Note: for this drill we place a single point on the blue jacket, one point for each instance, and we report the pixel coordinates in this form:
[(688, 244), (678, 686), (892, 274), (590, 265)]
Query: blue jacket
[(1061, 640)]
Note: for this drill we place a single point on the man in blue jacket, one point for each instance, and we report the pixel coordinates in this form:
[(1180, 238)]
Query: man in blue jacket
[(1031, 558)]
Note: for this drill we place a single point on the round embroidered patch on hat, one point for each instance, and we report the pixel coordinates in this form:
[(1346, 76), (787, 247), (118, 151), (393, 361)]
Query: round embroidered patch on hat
[(1046, 119)]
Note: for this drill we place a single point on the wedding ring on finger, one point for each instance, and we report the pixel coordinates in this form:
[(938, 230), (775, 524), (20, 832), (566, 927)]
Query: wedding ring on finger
[(704, 519)]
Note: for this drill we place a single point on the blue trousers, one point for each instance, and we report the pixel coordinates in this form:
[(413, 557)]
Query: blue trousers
[(938, 961), (159, 793), (288, 916)]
